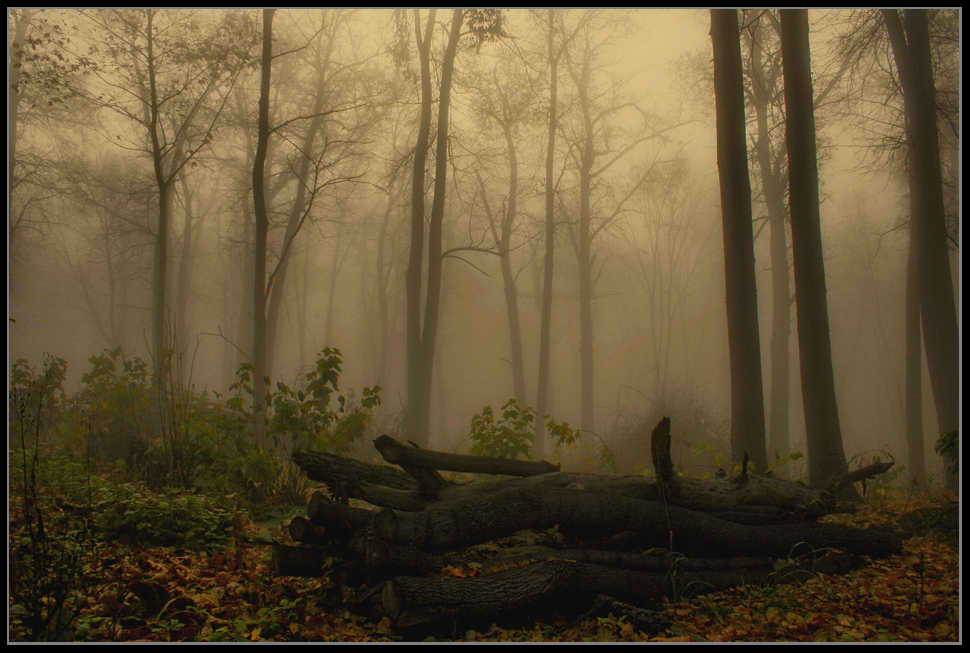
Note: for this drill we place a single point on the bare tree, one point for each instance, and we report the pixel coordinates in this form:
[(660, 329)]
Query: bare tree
[(160, 72), (604, 119), (668, 243)]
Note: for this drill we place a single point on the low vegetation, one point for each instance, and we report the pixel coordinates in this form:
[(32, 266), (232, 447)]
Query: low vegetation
[(127, 525)]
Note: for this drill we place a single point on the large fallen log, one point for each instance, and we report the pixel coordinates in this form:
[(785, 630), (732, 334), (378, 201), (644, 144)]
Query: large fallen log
[(380, 554), (396, 453), (336, 470), (732, 529), (410, 601), (749, 500), (463, 523)]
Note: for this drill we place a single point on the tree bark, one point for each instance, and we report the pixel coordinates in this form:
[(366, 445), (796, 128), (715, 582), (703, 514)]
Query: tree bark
[(762, 499), (420, 430), (417, 418), (914, 355), (545, 323), (937, 307), (773, 187), (260, 371), (747, 395), (558, 584), (826, 455)]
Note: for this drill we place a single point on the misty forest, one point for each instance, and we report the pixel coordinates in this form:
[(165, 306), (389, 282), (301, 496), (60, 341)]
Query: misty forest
[(483, 325)]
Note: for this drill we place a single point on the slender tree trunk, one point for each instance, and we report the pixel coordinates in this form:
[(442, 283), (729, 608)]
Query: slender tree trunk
[(260, 388), (937, 308), (227, 349), (747, 398), (247, 310), (303, 299), (15, 60), (332, 292), (160, 277), (826, 455), (545, 324), (382, 278), (586, 260), (774, 196), (417, 418), (297, 210), (185, 269), (503, 243), (442, 401), (914, 356), (419, 386)]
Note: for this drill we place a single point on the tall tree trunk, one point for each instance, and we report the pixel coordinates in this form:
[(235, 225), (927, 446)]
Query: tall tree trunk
[(247, 310), (826, 455), (417, 418), (586, 260), (260, 388), (503, 243), (747, 398), (914, 355), (303, 299), (382, 279), (185, 269), (545, 324), (335, 266), (421, 354), (773, 187), (298, 210), (227, 349), (15, 60), (937, 308)]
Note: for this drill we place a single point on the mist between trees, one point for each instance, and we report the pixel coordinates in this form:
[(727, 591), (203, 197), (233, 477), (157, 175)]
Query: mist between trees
[(478, 205)]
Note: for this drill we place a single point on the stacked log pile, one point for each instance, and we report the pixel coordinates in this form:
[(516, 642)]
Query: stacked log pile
[(715, 534)]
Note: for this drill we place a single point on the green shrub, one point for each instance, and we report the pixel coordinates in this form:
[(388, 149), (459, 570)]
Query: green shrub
[(514, 434), (948, 446), (168, 517), (509, 437), (41, 397), (136, 431), (48, 582)]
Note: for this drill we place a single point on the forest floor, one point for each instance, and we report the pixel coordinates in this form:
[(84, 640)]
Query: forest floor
[(173, 594)]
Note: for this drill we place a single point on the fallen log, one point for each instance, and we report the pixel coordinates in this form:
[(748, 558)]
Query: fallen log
[(858, 475), (380, 554), (747, 499), (464, 523), (303, 530), (341, 521), (334, 470), (410, 601), (396, 453)]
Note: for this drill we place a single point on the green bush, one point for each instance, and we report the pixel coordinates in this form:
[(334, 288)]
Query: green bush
[(135, 513), (301, 417), (948, 446), (48, 582), (42, 398), (509, 437), (168, 517), (514, 434), (136, 431)]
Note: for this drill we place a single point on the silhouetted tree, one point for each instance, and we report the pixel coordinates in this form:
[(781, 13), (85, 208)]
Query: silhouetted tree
[(747, 398), (826, 455)]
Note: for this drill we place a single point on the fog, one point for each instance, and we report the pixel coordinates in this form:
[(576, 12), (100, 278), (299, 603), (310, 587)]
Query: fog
[(84, 214)]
